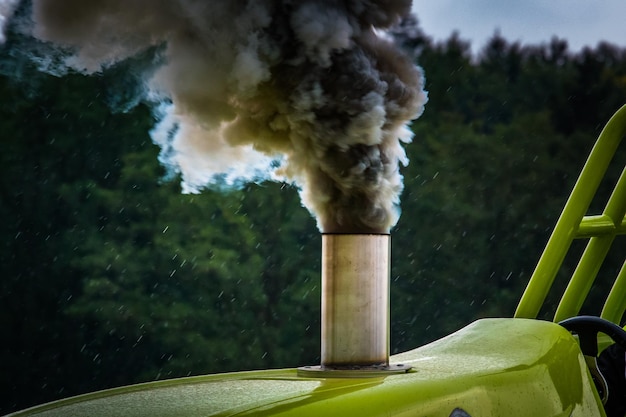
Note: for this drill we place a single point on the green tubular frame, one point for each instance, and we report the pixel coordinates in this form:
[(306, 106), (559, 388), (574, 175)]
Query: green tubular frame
[(615, 302), (599, 229)]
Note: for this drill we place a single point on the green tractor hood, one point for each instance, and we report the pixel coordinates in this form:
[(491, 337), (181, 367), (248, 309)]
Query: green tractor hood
[(493, 367)]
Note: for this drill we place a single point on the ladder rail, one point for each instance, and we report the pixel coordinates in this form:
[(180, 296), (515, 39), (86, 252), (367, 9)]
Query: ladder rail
[(591, 260), (615, 303), (573, 221)]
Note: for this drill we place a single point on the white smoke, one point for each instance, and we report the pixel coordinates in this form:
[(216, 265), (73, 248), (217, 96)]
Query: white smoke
[(7, 7), (246, 83)]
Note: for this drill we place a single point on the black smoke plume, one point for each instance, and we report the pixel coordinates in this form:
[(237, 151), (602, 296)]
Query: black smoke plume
[(312, 92)]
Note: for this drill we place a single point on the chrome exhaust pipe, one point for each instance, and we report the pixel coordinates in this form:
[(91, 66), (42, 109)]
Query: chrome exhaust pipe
[(355, 300), (355, 306)]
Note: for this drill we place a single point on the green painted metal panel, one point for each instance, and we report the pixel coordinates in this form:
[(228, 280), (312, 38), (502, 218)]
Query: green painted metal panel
[(493, 367)]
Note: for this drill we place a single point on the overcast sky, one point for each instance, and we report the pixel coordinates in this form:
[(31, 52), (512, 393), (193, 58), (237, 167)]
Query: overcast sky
[(581, 22)]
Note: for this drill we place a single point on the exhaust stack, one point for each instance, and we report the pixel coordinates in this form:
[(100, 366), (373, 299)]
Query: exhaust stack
[(355, 306)]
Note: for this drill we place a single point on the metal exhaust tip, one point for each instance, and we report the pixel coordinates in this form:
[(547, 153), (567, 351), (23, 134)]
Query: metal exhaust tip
[(355, 307)]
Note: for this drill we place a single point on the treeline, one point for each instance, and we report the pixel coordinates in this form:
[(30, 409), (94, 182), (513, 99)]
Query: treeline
[(111, 276)]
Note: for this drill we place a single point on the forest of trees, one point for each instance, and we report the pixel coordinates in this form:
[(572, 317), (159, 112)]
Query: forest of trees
[(110, 275)]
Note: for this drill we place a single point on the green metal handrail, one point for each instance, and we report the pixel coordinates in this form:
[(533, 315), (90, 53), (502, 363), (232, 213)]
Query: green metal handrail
[(592, 257), (616, 300), (600, 229)]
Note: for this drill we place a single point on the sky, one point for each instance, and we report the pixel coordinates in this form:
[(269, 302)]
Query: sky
[(580, 22)]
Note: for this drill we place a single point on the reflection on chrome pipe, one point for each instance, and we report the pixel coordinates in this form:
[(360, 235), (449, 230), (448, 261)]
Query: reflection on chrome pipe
[(355, 300)]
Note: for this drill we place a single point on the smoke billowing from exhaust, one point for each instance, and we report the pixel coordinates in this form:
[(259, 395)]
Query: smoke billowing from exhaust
[(307, 91)]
